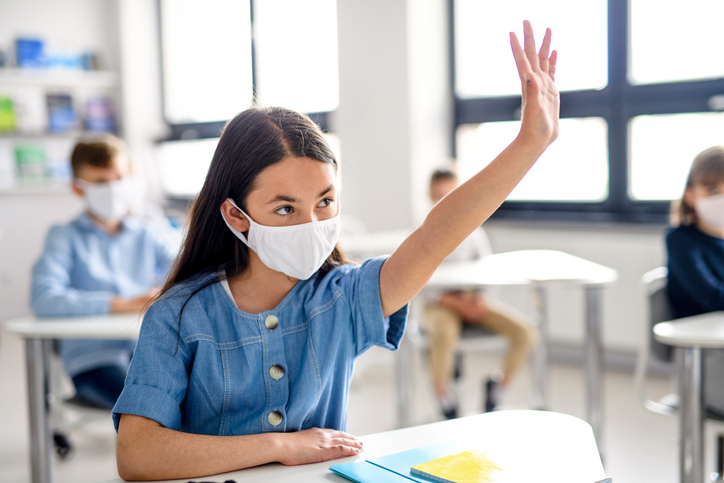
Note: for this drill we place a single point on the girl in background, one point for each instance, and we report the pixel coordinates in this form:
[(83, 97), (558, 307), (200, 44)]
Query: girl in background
[(695, 246), (247, 355)]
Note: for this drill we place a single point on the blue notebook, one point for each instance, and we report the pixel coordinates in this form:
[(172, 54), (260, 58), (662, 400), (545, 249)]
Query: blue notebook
[(395, 468)]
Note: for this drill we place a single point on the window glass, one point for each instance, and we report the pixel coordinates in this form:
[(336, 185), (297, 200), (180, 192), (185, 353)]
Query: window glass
[(663, 147), (183, 165), (574, 168), (676, 41), (484, 64), (206, 47), (296, 54)]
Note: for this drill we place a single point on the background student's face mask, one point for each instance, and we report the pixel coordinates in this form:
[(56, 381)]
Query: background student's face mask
[(109, 201), (710, 210), (297, 250)]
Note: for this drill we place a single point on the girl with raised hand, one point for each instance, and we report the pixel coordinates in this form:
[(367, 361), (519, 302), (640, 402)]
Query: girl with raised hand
[(247, 355)]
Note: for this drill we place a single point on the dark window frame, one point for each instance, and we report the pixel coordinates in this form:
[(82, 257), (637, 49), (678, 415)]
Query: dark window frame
[(617, 104)]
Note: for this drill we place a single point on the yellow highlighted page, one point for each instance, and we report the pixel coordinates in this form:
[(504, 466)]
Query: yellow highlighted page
[(467, 467)]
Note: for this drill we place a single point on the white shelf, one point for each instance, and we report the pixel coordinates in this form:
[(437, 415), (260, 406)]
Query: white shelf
[(58, 78), (42, 136)]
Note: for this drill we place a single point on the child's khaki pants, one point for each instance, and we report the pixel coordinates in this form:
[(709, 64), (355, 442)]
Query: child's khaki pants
[(444, 326)]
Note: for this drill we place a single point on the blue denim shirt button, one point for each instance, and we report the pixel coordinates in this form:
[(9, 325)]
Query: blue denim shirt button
[(271, 322), (275, 418), (276, 372)]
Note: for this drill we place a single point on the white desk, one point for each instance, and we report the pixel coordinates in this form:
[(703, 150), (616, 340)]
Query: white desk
[(38, 334), (371, 244), (537, 269), (689, 335), (531, 446)]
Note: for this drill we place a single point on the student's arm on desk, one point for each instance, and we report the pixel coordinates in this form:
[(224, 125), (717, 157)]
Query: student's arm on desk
[(464, 209), (148, 451)]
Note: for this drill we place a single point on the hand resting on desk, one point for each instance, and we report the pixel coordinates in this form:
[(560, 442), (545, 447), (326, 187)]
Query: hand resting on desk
[(147, 451)]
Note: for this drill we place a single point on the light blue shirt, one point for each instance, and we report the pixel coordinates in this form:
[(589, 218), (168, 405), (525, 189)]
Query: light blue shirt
[(82, 267), (221, 371)]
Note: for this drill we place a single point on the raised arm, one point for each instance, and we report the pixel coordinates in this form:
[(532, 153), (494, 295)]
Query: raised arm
[(452, 219)]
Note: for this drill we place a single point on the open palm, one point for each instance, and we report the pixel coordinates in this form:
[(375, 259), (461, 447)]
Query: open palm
[(541, 100)]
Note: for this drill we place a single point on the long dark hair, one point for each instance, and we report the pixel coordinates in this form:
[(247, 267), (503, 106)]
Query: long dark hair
[(254, 140), (707, 169)]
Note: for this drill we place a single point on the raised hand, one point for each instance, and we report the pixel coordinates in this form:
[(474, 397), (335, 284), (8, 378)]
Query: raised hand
[(541, 101), (315, 445)]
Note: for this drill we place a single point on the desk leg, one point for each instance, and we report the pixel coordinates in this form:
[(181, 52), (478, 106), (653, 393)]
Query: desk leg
[(37, 351), (594, 362), (539, 356), (404, 383), (691, 415), (404, 376)]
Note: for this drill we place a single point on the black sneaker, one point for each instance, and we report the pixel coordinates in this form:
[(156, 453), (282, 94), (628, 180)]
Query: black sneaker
[(492, 391), (449, 404)]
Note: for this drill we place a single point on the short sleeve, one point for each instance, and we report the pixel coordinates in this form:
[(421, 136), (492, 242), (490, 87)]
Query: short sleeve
[(371, 328), (158, 375)]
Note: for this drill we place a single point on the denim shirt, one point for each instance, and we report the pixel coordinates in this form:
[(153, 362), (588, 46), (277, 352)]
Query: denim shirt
[(221, 371), (83, 266)]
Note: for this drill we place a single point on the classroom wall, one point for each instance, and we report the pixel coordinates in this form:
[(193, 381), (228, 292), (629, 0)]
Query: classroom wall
[(393, 123)]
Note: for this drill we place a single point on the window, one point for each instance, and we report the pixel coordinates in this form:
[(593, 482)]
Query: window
[(206, 49), (639, 82), (221, 56), (486, 24), (580, 153), (662, 148)]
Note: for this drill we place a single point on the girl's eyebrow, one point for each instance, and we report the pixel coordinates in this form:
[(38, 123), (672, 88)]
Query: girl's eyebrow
[(329, 188), (289, 199)]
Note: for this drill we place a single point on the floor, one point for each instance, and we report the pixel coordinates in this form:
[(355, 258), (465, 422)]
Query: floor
[(638, 447)]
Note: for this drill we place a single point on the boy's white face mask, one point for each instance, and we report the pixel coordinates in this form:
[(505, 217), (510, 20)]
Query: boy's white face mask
[(109, 201), (710, 210), (297, 250)]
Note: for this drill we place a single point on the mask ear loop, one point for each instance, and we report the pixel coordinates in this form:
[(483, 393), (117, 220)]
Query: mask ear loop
[(236, 232)]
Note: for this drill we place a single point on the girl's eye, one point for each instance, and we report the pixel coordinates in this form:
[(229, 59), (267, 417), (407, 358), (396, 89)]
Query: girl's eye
[(284, 210), (325, 203)]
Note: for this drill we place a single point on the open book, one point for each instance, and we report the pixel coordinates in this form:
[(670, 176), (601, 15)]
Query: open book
[(398, 467)]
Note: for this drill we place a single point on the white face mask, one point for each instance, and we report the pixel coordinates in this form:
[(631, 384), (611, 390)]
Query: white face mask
[(710, 210), (109, 201), (297, 250)]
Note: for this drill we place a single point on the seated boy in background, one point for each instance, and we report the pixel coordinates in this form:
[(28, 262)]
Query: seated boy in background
[(105, 261), (446, 312)]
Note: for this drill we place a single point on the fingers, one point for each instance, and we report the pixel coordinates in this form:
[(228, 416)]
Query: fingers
[(342, 434), (552, 65), (351, 443), (521, 61), (544, 51), (529, 45)]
